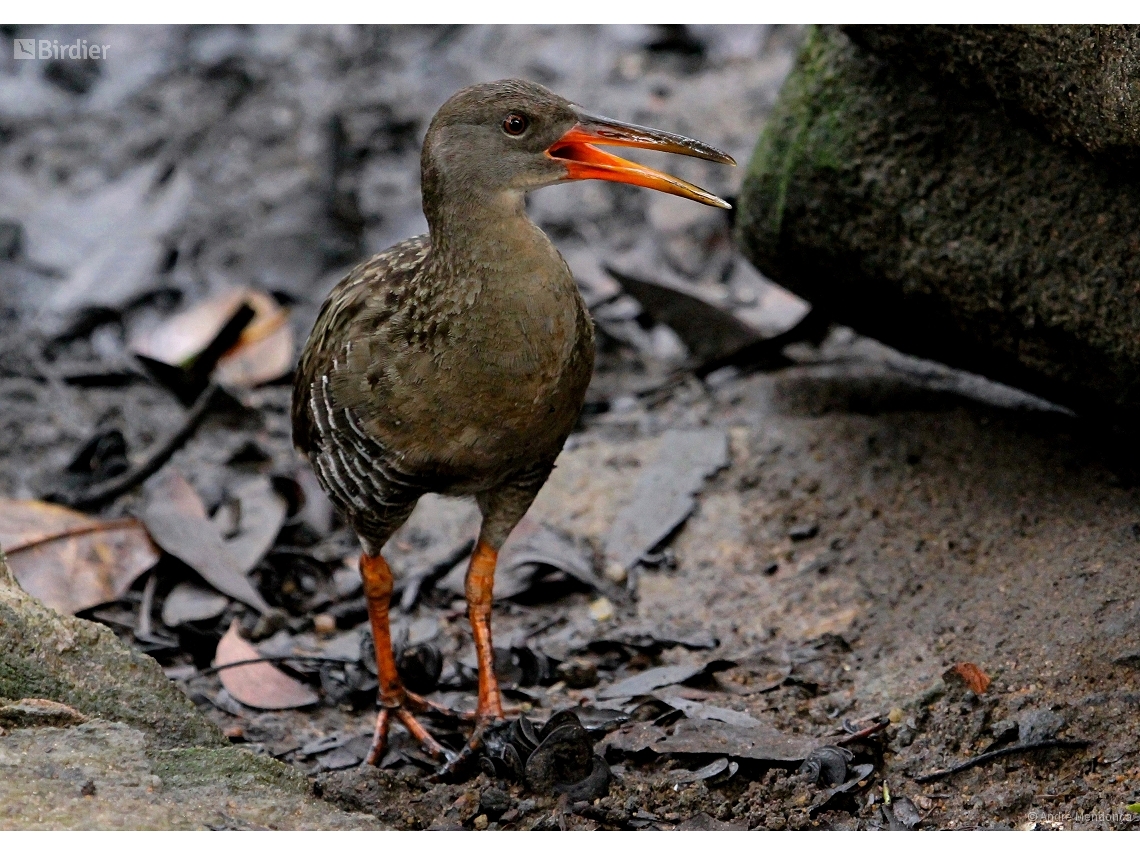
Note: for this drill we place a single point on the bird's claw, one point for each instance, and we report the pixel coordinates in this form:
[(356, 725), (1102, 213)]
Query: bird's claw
[(416, 730), (456, 762)]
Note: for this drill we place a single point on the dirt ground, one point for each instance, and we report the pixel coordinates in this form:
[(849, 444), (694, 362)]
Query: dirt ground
[(949, 531), (880, 520)]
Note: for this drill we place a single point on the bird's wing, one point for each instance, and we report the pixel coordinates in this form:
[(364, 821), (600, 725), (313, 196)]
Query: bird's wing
[(386, 273)]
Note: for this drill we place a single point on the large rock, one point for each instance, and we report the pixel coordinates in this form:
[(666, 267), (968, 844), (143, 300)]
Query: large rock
[(44, 654), (98, 738), (922, 214), (1079, 84)]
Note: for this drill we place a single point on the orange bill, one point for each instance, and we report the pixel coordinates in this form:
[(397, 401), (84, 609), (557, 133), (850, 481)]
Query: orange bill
[(577, 148)]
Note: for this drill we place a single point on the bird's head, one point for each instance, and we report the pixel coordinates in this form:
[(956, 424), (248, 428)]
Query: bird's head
[(513, 136)]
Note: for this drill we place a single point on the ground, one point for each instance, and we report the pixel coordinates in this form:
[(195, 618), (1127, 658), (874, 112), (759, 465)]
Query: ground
[(948, 531)]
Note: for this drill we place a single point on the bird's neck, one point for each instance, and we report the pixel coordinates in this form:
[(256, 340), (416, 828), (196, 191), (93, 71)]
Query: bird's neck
[(475, 232)]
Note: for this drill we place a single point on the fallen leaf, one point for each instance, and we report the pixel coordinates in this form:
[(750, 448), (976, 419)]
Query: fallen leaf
[(703, 822), (259, 685), (706, 329), (711, 770), (264, 351), (704, 736), (176, 519), (261, 513), (665, 493), (695, 709), (188, 602), (647, 681), (531, 547), (69, 560), (536, 543), (974, 677)]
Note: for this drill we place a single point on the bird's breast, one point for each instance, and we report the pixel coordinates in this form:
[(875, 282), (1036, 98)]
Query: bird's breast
[(500, 386)]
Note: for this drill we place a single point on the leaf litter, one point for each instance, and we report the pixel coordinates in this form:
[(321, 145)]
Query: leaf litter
[(259, 685), (69, 560)]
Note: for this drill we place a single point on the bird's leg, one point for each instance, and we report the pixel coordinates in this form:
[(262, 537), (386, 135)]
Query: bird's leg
[(480, 582), (393, 699)]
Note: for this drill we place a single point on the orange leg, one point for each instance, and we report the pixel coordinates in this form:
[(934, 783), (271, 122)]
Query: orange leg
[(480, 581), (393, 697)]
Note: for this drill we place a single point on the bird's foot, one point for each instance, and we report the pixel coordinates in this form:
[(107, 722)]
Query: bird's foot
[(416, 730), (456, 762), (419, 703)]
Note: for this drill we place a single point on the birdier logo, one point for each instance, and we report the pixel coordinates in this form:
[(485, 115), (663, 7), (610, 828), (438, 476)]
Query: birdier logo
[(52, 49)]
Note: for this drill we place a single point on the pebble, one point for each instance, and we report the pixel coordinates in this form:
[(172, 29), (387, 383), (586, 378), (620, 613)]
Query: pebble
[(601, 609), (616, 573), (481, 822), (578, 673), (324, 624), (804, 531)]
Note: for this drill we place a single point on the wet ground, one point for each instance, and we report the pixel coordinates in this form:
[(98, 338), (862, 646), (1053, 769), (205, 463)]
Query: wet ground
[(868, 522)]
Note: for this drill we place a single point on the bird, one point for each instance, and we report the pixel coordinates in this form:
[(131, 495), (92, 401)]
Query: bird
[(457, 362)]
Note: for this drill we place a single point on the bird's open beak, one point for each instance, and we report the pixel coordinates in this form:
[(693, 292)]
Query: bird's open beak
[(577, 149)]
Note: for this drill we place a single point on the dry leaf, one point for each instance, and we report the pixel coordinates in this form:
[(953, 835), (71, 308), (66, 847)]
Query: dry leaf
[(187, 603), (69, 560), (974, 677), (259, 684), (176, 519), (262, 354)]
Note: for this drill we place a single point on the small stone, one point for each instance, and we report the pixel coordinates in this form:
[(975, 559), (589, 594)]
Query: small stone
[(324, 624), (616, 573), (494, 803), (481, 822), (39, 712), (268, 624), (578, 673), (895, 715), (1038, 725), (1004, 731), (88, 788), (804, 531), (601, 609)]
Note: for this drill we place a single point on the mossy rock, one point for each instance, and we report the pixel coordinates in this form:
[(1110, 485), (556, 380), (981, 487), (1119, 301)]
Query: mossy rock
[(44, 654), (1079, 84), (110, 775), (922, 215)]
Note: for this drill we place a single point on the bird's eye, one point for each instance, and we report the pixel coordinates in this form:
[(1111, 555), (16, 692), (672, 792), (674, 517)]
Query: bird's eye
[(515, 124)]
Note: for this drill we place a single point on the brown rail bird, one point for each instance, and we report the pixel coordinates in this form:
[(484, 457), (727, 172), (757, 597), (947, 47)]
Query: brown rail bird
[(457, 362)]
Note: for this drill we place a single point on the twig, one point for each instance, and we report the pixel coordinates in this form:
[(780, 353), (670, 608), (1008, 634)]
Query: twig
[(80, 531), (318, 660), (864, 733), (144, 630), (115, 487), (1002, 752)]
